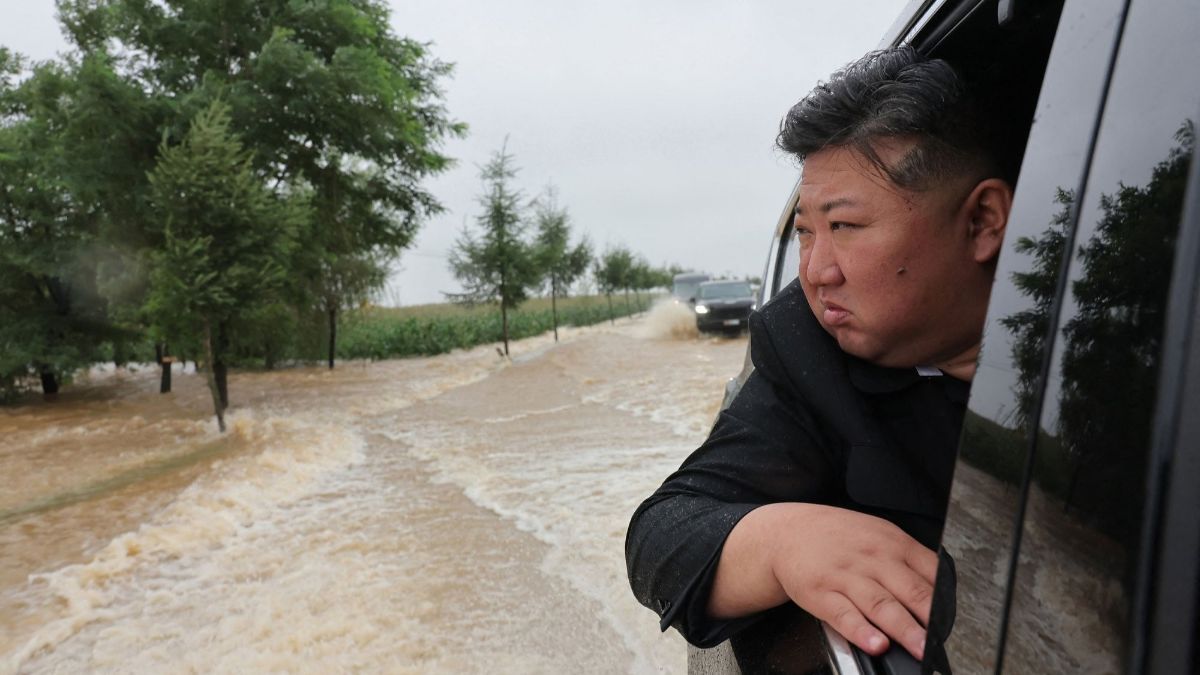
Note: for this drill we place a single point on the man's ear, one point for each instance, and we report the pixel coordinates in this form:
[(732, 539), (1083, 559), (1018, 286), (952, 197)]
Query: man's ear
[(987, 210)]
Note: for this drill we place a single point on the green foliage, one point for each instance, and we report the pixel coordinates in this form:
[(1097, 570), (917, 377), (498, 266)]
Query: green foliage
[(51, 318), (382, 334), (500, 266), (341, 121), (226, 240), (328, 98), (614, 269), (560, 263), (643, 277)]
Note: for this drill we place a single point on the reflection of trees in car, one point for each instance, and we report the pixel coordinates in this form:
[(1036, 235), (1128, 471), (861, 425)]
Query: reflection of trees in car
[(1069, 606), (1029, 326), (1110, 365), (1111, 342)]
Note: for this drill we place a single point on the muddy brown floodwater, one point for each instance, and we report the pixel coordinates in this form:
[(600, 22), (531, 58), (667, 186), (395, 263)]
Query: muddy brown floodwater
[(452, 514)]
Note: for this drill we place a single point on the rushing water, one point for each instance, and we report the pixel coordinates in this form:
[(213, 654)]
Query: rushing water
[(460, 513)]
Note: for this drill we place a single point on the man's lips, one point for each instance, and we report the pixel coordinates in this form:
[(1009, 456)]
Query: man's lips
[(834, 314)]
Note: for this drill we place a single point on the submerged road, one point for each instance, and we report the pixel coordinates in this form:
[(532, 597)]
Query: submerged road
[(452, 514)]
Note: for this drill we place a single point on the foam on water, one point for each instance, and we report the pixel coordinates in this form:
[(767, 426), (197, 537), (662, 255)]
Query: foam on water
[(231, 498)]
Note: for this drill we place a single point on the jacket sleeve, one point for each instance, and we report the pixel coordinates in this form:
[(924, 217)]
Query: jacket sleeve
[(763, 449)]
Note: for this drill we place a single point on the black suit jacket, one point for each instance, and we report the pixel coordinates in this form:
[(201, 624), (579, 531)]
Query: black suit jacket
[(811, 424)]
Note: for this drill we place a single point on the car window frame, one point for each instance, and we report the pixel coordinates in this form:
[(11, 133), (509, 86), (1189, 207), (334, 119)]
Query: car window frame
[(1169, 569)]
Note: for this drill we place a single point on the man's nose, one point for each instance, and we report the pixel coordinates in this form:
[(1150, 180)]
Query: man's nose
[(820, 267)]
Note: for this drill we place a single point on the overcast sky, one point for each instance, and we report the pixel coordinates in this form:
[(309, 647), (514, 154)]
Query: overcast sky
[(654, 120)]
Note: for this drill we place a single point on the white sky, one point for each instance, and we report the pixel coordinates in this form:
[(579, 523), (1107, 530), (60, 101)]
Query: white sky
[(655, 121)]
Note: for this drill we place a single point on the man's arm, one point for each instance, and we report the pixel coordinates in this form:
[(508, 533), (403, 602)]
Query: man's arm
[(861, 574), (759, 452)]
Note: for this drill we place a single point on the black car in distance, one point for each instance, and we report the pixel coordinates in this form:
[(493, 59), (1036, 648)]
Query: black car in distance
[(1073, 521), (724, 306)]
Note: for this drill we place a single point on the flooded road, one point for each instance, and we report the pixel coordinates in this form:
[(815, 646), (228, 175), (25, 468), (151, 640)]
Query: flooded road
[(459, 513)]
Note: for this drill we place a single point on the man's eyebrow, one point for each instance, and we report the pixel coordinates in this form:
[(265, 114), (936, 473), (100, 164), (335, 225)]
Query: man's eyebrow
[(829, 205)]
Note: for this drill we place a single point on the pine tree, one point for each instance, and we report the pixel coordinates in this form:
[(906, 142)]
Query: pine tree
[(559, 262), (500, 265), (226, 242)]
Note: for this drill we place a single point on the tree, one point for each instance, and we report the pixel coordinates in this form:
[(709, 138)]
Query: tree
[(227, 241), (612, 272), (644, 277), (500, 265), (328, 99), (51, 318), (559, 263)]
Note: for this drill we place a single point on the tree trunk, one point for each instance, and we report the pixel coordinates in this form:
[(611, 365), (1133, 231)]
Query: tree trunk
[(160, 355), (554, 308), (628, 310), (610, 310), (212, 380), (504, 325), (332, 335), (119, 356), (49, 381), (220, 369), (637, 298)]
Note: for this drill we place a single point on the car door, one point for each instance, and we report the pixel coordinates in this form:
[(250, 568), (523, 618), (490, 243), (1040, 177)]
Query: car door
[(1058, 498)]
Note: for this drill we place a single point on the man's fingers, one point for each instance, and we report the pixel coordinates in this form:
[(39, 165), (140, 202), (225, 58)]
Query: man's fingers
[(882, 608), (922, 561), (846, 619), (912, 590)]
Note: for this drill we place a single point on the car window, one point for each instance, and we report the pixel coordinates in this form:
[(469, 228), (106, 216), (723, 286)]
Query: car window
[(986, 493), (1073, 594), (720, 291)]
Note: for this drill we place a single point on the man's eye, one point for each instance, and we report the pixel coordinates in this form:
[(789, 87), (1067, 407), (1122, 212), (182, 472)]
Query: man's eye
[(840, 226)]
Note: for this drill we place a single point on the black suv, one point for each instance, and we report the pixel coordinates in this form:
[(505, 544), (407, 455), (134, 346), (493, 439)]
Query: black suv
[(724, 306), (1074, 519)]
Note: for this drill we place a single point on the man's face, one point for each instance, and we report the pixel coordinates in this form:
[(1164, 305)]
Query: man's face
[(892, 274)]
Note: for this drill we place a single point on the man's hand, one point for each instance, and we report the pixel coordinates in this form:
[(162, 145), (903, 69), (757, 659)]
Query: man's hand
[(861, 574)]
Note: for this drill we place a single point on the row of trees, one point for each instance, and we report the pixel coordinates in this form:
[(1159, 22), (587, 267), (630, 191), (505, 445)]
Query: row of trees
[(524, 246), (205, 176)]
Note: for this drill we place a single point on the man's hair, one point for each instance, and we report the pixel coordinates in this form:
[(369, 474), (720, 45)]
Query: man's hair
[(894, 94)]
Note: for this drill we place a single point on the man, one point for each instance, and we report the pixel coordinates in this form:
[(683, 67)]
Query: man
[(825, 482)]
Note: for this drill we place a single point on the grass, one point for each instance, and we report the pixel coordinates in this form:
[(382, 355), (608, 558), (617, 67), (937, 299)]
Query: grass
[(423, 330)]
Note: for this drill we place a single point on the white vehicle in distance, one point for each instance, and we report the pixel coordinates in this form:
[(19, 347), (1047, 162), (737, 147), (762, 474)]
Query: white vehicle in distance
[(684, 286)]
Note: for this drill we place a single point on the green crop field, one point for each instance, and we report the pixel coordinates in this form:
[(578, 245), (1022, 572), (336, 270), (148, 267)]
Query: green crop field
[(385, 332)]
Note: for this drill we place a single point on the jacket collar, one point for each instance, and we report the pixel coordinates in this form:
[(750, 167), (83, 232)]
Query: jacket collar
[(872, 379)]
